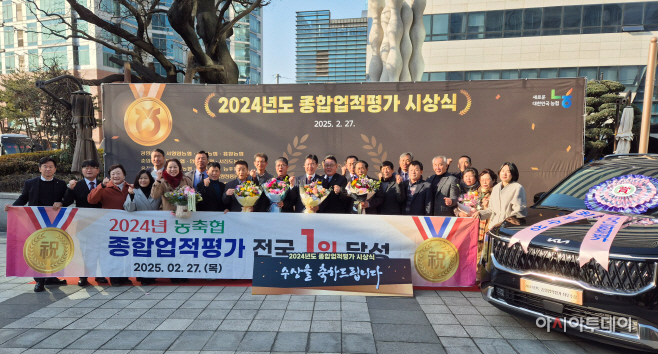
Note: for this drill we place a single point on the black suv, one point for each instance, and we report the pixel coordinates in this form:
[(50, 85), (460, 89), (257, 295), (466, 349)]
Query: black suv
[(625, 294)]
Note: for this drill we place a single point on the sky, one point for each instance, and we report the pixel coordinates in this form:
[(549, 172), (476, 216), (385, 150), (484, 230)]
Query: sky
[(279, 32)]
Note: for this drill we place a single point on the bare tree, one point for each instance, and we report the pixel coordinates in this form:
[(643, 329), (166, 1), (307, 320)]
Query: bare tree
[(124, 26)]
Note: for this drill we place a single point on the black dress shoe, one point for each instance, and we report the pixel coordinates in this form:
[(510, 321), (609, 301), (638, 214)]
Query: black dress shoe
[(83, 282), (55, 281), (101, 280), (40, 286)]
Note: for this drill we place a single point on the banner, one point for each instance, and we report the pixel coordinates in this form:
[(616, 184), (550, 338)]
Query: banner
[(113, 243), (537, 124)]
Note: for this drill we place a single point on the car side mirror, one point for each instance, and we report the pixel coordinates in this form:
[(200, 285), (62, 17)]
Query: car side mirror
[(538, 196)]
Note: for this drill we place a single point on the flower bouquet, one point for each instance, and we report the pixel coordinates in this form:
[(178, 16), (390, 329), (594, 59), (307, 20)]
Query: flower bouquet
[(312, 195), (469, 202), (247, 194), (185, 199), (276, 191), (361, 190)]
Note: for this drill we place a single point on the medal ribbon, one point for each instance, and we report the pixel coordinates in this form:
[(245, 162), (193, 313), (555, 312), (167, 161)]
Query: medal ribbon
[(147, 90), (599, 238), (41, 219), (526, 235)]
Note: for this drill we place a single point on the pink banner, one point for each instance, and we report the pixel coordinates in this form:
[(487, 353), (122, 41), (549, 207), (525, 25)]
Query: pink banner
[(599, 238), (526, 235)]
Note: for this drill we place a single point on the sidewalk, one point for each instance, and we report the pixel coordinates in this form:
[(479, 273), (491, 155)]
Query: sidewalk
[(216, 319)]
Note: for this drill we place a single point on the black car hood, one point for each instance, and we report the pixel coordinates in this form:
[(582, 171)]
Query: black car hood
[(632, 239)]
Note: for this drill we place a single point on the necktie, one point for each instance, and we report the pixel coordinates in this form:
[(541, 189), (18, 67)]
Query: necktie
[(308, 180), (91, 185)]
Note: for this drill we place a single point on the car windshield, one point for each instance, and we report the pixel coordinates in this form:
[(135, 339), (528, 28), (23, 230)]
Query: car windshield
[(570, 194)]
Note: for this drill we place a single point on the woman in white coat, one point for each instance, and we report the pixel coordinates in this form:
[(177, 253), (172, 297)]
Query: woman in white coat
[(507, 201), (139, 199)]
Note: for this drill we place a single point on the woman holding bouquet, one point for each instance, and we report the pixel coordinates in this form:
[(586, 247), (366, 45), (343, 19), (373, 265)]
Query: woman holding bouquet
[(469, 193), (168, 180)]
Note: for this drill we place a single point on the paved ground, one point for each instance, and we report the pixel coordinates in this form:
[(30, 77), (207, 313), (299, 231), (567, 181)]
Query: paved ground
[(213, 319)]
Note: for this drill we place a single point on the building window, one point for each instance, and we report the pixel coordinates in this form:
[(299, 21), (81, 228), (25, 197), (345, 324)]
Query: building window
[(55, 56), (10, 64), (160, 22), (51, 32), (241, 51), (33, 59), (547, 73), (254, 24), (568, 72), (254, 42), (546, 21), (52, 6), (7, 12), (32, 36), (9, 37)]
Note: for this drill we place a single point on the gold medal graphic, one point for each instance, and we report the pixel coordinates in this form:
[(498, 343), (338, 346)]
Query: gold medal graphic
[(48, 250), (436, 260), (148, 120)]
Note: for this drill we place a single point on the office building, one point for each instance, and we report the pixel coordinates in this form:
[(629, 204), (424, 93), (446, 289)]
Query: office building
[(246, 45), (493, 39), (330, 50)]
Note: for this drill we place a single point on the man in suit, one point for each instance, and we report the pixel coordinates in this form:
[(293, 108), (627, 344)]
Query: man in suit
[(45, 190), (419, 198), (261, 176), (348, 169), (405, 161), (281, 167), (445, 188), (242, 172), (369, 206), (394, 193), (310, 167), (212, 190), (334, 204), (158, 160), (201, 163), (78, 192)]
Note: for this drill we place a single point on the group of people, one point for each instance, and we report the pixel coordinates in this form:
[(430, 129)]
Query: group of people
[(403, 191)]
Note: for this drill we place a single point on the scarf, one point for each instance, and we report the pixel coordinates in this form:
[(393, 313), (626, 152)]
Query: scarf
[(465, 189), (174, 181), (147, 190)]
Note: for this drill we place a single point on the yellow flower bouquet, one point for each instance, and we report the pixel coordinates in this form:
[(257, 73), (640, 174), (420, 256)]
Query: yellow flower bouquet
[(247, 194)]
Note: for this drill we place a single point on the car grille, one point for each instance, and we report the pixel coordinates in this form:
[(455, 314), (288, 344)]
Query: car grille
[(594, 319), (622, 275)]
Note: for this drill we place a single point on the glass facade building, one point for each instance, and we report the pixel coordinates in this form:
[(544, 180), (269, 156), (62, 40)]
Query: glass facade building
[(330, 50), (247, 47)]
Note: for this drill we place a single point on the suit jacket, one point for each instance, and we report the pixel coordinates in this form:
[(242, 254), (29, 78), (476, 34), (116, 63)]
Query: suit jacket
[(421, 199), (374, 202), (394, 197), (30, 193), (190, 175), (230, 202), (294, 191), (445, 186), (334, 204), (211, 201), (79, 195), (263, 203)]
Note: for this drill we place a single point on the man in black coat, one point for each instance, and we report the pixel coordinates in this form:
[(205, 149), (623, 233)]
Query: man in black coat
[(261, 176), (369, 206), (335, 203), (394, 193), (45, 190), (229, 198), (445, 188), (419, 196), (212, 190), (281, 167), (78, 191), (310, 167)]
